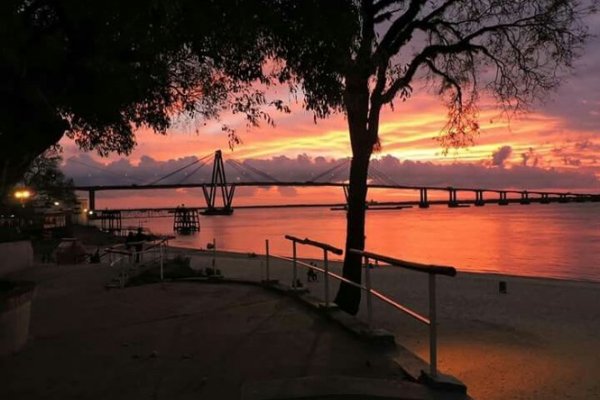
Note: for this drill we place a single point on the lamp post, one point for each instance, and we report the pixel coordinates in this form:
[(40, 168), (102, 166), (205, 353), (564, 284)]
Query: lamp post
[(22, 196)]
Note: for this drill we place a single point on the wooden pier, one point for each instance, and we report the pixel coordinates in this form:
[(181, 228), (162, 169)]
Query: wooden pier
[(110, 220), (186, 220)]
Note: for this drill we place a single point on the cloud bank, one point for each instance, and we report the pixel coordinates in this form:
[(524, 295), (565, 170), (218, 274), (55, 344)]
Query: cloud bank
[(492, 173)]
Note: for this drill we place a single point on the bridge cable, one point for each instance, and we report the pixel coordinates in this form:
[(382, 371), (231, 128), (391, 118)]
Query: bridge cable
[(185, 178), (177, 170), (377, 177), (256, 171), (329, 170), (105, 170), (383, 177), (243, 172)]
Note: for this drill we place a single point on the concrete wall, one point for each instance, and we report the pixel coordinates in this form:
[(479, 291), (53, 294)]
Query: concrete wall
[(15, 256), (14, 327)]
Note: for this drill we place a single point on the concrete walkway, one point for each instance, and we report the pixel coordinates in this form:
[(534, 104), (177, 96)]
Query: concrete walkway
[(187, 340)]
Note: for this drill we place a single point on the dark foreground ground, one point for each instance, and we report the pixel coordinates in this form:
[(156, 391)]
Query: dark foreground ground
[(187, 340)]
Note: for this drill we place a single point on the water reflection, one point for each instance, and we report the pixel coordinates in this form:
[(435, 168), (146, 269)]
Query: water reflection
[(561, 241)]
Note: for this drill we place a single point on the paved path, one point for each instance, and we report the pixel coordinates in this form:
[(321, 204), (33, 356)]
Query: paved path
[(183, 340)]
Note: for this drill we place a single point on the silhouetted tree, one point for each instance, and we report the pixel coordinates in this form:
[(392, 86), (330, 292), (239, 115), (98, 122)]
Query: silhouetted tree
[(514, 49), (97, 70), (48, 182)]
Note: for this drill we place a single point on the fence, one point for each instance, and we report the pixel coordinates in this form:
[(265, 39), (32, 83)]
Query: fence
[(123, 259), (431, 321), (266, 262), (431, 270)]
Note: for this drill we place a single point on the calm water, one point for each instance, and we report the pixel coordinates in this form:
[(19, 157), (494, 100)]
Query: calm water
[(556, 240)]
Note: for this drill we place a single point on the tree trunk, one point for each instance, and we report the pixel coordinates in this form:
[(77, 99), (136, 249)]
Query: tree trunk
[(348, 297)]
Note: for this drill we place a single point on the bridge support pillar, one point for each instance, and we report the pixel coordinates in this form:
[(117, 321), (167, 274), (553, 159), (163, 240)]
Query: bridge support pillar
[(423, 202), (479, 202), (563, 199), (346, 193), (218, 181), (525, 198), (545, 199), (503, 201), (452, 199)]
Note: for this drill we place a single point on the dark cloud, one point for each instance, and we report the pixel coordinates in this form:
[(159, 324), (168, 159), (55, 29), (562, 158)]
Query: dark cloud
[(530, 158), (577, 101), (587, 145), (501, 155), (581, 154)]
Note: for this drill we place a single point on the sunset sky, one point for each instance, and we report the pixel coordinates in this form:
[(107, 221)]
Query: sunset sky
[(560, 136)]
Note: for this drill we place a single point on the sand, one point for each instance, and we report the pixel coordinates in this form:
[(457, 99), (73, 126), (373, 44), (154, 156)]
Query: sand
[(540, 340)]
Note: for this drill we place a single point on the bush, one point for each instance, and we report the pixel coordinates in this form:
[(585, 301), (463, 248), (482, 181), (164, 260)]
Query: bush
[(11, 234), (175, 268)]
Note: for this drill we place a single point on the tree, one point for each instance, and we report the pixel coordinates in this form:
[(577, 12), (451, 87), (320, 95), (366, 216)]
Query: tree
[(515, 50), (48, 181), (97, 70)]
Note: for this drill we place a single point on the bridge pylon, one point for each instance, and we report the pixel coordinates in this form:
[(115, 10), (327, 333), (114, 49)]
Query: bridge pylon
[(218, 183)]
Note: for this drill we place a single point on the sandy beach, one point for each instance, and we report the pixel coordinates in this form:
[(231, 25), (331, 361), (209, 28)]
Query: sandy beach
[(538, 341)]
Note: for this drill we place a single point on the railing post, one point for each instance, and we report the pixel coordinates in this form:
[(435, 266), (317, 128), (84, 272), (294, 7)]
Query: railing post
[(214, 260), (432, 327), (368, 284), (122, 272), (268, 259), (161, 261), (326, 278), (294, 265)]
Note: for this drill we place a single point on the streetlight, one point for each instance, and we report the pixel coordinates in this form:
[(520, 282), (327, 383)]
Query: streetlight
[(22, 195)]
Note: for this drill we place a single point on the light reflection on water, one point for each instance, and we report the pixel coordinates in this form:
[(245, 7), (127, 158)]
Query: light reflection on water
[(556, 240)]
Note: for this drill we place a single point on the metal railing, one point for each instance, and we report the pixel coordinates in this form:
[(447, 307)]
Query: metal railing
[(431, 270), (126, 258), (327, 248)]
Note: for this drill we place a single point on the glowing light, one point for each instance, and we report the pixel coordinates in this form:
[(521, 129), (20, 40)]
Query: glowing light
[(56, 203), (22, 194)]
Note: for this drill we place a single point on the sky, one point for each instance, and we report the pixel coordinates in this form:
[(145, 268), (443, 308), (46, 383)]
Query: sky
[(555, 145)]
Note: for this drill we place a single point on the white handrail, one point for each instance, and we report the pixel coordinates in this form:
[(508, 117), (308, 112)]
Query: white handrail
[(159, 244), (431, 270)]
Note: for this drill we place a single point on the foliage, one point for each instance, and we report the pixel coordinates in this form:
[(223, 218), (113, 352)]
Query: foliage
[(10, 233), (47, 180), (97, 70)]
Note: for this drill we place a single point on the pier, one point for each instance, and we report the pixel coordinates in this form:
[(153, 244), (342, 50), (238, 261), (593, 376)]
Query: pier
[(186, 220)]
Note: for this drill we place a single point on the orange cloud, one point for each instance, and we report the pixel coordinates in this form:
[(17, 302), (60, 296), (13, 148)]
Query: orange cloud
[(409, 132)]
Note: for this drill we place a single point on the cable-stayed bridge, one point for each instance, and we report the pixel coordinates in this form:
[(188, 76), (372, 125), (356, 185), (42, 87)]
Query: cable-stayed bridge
[(219, 188)]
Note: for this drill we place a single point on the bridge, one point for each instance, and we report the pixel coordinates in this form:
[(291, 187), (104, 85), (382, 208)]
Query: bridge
[(220, 188)]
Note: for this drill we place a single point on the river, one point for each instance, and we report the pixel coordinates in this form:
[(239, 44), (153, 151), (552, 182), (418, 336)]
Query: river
[(554, 241)]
